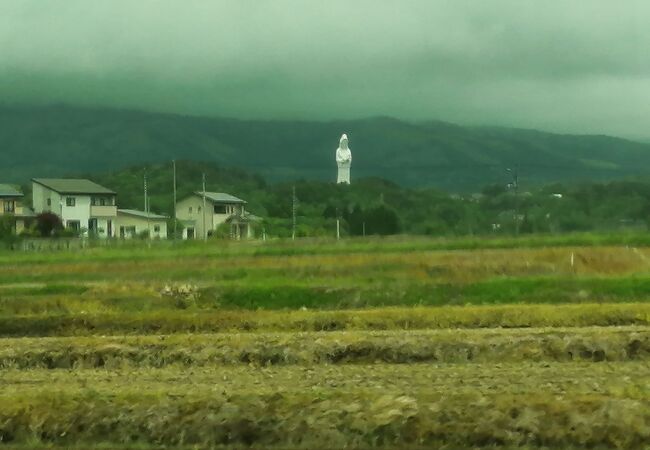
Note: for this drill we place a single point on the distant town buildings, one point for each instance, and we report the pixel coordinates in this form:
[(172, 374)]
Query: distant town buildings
[(91, 210)]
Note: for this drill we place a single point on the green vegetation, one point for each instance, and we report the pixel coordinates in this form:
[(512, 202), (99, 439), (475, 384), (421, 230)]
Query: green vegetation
[(168, 321), (373, 206), (65, 140), (377, 207), (537, 342)]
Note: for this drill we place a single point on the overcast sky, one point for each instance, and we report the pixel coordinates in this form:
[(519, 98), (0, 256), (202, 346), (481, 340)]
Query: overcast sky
[(580, 66)]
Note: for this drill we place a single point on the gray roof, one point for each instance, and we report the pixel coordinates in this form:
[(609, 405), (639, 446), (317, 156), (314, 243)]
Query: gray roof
[(220, 197), (27, 212), (7, 190), (247, 217), (142, 214), (72, 186), (252, 217)]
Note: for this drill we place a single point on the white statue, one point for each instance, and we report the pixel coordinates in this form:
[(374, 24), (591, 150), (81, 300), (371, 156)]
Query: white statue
[(343, 160)]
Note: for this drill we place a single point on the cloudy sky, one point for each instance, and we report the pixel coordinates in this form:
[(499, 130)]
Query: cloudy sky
[(579, 66)]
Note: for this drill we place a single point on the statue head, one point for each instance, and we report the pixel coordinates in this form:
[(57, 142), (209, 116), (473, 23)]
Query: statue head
[(343, 143)]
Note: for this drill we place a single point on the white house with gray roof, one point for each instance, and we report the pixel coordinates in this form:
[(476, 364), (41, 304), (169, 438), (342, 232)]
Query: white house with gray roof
[(131, 223), (219, 208), (82, 205)]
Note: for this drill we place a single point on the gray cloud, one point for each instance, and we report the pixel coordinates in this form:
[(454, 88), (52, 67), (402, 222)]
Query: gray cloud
[(580, 66)]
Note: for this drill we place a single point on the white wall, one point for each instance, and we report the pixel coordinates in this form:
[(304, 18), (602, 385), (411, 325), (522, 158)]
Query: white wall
[(40, 195), (140, 224), (195, 202), (103, 227), (80, 212)]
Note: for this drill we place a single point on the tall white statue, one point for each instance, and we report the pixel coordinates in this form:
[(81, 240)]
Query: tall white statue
[(343, 160)]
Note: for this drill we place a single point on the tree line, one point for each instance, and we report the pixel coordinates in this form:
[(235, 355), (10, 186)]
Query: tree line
[(373, 206)]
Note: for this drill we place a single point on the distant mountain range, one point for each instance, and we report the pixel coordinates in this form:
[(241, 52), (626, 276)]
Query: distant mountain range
[(66, 140)]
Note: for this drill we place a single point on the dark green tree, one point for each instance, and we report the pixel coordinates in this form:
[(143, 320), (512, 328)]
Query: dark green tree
[(48, 224), (382, 220)]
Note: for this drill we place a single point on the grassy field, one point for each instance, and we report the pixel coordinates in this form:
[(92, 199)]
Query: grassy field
[(539, 342)]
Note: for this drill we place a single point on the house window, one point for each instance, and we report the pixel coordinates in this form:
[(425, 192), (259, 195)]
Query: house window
[(70, 201), (190, 210), (220, 209), (156, 228), (73, 225), (49, 202), (10, 206), (127, 231), (102, 201)]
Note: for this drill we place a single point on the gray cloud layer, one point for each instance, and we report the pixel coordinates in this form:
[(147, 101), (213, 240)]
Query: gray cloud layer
[(579, 66)]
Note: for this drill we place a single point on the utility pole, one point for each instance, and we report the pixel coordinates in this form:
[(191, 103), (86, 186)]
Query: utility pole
[(294, 206), (145, 189), (338, 225), (515, 185), (146, 204), (175, 225), (364, 229), (205, 232)]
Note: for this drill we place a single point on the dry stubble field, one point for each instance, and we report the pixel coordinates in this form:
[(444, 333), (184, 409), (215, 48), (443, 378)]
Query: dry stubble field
[(362, 344)]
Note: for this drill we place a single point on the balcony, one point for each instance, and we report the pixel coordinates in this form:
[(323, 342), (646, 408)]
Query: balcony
[(103, 211)]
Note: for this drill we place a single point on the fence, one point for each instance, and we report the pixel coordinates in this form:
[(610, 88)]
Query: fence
[(48, 244)]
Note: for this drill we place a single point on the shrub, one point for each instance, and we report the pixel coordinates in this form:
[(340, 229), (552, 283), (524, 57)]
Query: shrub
[(48, 224)]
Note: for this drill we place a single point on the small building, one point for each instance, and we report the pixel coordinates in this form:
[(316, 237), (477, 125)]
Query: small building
[(220, 208), (11, 204), (82, 205), (131, 223)]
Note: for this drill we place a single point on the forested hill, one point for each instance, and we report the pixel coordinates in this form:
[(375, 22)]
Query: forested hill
[(64, 140)]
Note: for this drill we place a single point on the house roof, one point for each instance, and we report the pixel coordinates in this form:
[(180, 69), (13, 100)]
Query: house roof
[(72, 186), (7, 190), (220, 197), (142, 214), (245, 218), (27, 212)]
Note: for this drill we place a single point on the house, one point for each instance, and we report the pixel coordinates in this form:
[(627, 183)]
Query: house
[(11, 204), (132, 223), (220, 208), (82, 205)]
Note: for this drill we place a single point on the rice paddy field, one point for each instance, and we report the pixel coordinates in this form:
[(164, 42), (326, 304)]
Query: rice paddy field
[(532, 343)]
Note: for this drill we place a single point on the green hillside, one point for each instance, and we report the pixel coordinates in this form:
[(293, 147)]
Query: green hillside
[(63, 140)]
